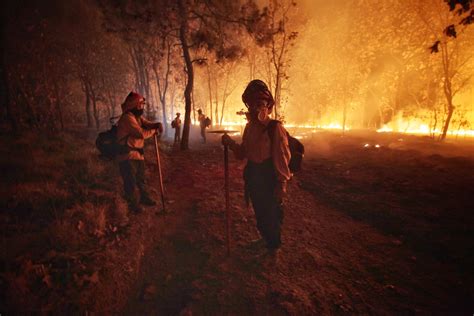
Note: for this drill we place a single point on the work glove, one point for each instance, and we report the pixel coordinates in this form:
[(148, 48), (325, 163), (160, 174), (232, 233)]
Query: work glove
[(227, 140), (159, 127)]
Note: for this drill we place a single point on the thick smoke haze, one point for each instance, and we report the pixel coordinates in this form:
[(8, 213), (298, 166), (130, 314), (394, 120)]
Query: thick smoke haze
[(372, 61), (359, 64)]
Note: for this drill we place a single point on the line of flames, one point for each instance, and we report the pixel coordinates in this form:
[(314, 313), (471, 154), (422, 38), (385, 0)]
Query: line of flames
[(421, 129)]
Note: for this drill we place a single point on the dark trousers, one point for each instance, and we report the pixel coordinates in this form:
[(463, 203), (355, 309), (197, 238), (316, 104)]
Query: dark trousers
[(177, 134), (260, 182), (133, 175), (203, 133)]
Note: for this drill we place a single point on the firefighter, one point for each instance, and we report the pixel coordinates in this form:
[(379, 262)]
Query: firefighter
[(176, 124), (202, 124), (266, 173), (132, 130)]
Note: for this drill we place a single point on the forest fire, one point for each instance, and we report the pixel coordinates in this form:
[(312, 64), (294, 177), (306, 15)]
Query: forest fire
[(423, 129), (128, 187)]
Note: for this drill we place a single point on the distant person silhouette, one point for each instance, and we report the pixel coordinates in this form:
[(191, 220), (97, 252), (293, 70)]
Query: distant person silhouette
[(176, 124), (202, 124)]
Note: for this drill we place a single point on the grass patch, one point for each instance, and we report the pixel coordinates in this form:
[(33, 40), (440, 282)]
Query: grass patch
[(58, 202)]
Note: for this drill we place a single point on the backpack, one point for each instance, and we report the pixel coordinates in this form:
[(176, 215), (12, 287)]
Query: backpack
[(173, 124), (207, 122), (296, 147), (107, 144)]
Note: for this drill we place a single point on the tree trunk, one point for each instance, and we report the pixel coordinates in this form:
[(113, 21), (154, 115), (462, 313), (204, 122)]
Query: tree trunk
[(435, 123), (34, 119), (88, 105), (448, 92), (217, 101), (190, 75), (5, 84), (194, 108), (277, 92), (210, 92), (6, 97), (58, 104), (95, 112), (448, 121), (224, 97), (165, 119), (344, 118)]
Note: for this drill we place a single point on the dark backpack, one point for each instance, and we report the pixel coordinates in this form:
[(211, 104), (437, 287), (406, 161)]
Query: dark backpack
[(207, 122), (173, 124), (107, 144), (296, 147)]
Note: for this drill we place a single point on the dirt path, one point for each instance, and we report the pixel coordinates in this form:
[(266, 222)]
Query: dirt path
[(330, 262)]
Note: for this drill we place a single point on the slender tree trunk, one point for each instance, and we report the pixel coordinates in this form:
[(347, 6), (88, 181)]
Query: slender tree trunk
[(277, 92), (344, 118), (210, 92), (183, 30), (4, 77), (5, 89), (58, 104), (435, 122), (194, 108), (217, 101), (172, 100), (448, 92), (114, 100), (96, 112), (165, 119), (34, 119), (88, 104), (224, 97), (448, 120), (162, 96)]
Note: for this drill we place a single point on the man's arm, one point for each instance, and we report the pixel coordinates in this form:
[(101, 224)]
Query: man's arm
[(281, 157), (151, 126), (135, 129), (239, 150)]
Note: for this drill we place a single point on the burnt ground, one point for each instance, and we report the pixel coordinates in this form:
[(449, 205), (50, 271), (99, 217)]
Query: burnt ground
[(367, 230)]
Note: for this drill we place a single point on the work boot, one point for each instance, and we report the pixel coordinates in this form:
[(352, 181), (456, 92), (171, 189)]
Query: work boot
[(146, 200), (256, 243), (272, 258), (133, 205)]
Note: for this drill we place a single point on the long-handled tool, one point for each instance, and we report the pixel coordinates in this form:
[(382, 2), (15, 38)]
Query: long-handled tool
[(226, 186), (159, 172)]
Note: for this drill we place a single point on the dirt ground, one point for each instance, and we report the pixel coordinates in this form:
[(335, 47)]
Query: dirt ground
[(368, 229)]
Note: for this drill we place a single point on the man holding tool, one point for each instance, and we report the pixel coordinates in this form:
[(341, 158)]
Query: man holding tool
[(132, 131), (268, 155)]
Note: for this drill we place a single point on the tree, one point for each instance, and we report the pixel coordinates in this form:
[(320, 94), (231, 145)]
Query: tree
[(196, 25), (455, 55), (274, 33)]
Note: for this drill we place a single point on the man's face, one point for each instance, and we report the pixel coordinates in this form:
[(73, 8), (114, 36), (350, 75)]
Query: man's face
[(259, 110), (141, 104), (258, 106)]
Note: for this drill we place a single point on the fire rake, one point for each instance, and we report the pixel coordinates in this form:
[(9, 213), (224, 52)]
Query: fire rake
[(226, 186)]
